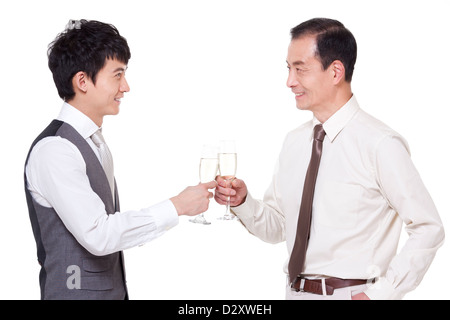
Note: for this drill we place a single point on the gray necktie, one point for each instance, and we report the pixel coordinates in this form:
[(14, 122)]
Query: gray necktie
[(297, 260), (105, 157)]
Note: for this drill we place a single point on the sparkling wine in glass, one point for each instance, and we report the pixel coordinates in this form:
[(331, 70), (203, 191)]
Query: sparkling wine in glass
[(227, 169), (209, 163)]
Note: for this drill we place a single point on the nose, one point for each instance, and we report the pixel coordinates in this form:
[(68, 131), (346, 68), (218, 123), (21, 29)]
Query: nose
[(292, 79), (124, 87)]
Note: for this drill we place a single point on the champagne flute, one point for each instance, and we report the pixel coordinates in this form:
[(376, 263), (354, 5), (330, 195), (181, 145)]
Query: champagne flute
[(227, 169), (209, 163)]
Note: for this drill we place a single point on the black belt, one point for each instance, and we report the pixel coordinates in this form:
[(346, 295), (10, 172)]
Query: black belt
[(315, 285)]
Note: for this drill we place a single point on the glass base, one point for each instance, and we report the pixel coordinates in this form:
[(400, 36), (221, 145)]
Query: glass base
[(228, 216), (200, 219)]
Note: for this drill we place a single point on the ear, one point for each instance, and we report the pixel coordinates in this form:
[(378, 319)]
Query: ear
[(337, 70), (79, 82)]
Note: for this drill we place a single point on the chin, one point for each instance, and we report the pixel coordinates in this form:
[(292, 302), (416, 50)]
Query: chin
[(302, 107), (114, 111)]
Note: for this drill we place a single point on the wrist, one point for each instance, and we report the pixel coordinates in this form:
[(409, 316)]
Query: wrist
[(241, 202), (177, 205)]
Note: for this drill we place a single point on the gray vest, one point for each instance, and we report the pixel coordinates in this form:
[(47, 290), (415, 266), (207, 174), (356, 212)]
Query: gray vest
[(68, 270)]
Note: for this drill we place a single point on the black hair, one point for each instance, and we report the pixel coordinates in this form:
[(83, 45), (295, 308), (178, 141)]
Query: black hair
[(84, 46), (334, 42)]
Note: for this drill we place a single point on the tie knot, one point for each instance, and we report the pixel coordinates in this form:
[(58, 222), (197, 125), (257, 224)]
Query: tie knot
[(97, 138), (319, 132)]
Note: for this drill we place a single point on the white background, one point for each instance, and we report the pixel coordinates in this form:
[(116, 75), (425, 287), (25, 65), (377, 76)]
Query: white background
[(202, 71)]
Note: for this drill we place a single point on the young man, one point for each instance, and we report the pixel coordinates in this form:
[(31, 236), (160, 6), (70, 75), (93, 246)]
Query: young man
[(364, 188), (71, 192)]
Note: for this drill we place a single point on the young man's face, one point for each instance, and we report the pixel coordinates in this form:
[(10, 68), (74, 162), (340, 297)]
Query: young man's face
[(307, 79), (104, 97)]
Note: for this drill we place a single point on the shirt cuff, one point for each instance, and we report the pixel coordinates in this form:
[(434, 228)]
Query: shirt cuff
[(165, 216), (245, 210), (382, 290)]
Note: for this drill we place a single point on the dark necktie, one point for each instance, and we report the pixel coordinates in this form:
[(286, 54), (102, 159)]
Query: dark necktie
[(297, 260)]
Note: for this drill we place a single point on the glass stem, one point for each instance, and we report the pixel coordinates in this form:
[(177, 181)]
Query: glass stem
[(228, 210)]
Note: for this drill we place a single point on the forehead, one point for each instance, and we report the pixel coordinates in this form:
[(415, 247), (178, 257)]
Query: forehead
[(302, 50)]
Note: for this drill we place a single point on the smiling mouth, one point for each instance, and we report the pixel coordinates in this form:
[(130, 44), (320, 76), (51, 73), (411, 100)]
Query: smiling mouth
[(299, 94)]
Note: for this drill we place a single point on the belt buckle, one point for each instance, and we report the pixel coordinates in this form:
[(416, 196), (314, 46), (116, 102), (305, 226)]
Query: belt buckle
[(301, 286)]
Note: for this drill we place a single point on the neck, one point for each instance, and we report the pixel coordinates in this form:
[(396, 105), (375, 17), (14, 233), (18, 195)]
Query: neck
[(339, 100), (86, 110)]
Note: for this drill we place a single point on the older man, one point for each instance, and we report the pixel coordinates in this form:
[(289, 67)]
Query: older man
[(341, 206)]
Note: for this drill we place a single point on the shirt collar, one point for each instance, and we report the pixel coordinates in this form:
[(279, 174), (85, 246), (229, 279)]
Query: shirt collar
[(334, 125), (78, 120)]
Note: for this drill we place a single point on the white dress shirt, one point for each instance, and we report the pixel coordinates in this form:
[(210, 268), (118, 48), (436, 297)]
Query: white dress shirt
[(56, 177), (366, 188)]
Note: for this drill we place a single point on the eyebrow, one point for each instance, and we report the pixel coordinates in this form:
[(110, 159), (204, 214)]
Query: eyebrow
[(120, 69), (297, 63)]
